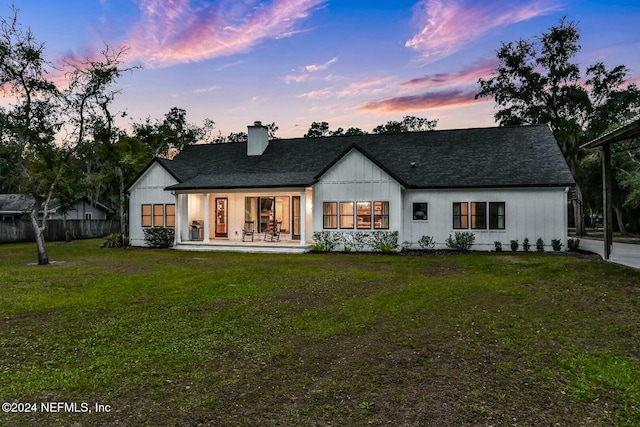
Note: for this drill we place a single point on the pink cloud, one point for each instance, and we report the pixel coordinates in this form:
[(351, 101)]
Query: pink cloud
[(179, 31), (364, 87), (293, 78), (429, 100), (319, 67), (318, 94), (368, 86), (467, 75), (448, 25)]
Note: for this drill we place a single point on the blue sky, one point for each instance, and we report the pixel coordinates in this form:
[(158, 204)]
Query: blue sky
[(293, 62)]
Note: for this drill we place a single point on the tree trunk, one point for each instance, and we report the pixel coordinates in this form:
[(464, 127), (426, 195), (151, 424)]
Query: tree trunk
[(621, 226), (66, 231), (43, 258), (122, 200), (578, 214)]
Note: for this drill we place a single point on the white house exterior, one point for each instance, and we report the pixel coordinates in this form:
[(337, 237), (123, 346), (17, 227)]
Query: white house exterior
[(500, 183)]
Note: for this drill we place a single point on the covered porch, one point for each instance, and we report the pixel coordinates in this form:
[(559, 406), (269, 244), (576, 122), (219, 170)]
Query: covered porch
[(219, 220)]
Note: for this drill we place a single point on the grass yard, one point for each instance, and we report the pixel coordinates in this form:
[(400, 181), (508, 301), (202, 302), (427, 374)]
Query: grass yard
[(165, 338)]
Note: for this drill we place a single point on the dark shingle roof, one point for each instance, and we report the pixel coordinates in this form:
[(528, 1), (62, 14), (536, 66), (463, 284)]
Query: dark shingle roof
[(464, 158)]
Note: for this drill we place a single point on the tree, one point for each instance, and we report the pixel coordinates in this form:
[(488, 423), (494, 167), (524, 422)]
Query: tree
[(354, 131), (317, 130), (45, 125), (408, 124), (537, 82), (320, 129), (243, 136), (166, 137)]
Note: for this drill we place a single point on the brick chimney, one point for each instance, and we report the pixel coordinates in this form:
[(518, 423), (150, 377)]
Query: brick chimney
[(258, 139)]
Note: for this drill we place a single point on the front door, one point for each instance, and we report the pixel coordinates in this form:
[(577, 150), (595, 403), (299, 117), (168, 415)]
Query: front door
[(221, 217), (295, 218)]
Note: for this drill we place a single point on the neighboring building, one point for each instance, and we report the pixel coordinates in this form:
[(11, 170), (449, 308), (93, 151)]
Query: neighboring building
[(17, 206), (501, 183)]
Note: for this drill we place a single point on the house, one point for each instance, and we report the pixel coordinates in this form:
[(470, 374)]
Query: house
[(17, 206), (500, 183)]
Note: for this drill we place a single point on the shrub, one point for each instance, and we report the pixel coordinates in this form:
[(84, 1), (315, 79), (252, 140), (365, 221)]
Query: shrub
[(159, 237), (573, 244), (427, 242), (540, 245), (317, 247), (357, 240), (556, 244), (328, 240), (515, 245), (526, 246), (498, 246), (116, 240), (462, 241), (384, 241)]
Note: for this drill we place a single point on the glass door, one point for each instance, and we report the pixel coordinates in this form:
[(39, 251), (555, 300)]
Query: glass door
[(295, 218), (221, 217)]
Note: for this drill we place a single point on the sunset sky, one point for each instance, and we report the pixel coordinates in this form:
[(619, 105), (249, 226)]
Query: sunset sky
[(293, 62)]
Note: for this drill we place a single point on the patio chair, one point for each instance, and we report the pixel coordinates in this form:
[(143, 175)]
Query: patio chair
[(274, 234), (247, 231)]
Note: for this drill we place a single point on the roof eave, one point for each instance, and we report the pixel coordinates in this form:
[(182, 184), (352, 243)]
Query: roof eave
[(180, 187), (632, 130)]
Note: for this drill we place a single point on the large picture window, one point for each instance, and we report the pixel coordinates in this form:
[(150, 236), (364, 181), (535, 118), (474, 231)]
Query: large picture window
[(159, 215), (146, 216), (461, 215), (496, 215), (381, 215), (330, 215), (346, 215), (478, 215), (364, 214), (265, 212)]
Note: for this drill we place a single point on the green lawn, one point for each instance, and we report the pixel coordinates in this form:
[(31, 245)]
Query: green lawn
[(168, 338)]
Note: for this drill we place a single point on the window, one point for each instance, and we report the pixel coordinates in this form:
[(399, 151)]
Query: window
[(461, 215), (266, 211), (478, 215), (346, 214), (364, 214), (330, 215), (420, 211), (158, 215), (381, 215), (170, 215), (88, 215), (496, 216), (146, 215)]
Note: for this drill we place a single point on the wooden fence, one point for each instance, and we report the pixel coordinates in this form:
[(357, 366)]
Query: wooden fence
[(22, 231)]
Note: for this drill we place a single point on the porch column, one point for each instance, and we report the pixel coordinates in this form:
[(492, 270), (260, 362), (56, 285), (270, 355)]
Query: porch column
[(303, 218), (176, 225), (205, 231), (182, 211)]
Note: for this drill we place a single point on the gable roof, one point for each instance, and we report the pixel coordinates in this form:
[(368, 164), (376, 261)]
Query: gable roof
[(525, 156), (20, 203)]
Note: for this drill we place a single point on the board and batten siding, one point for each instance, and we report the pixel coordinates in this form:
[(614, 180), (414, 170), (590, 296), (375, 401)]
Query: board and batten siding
[(148, 189), (356, 178), (529, 213)]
